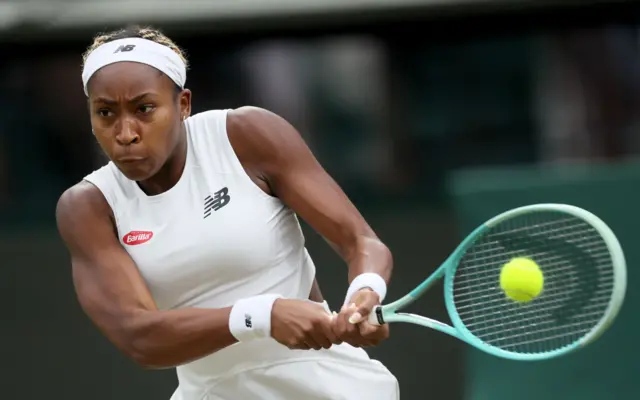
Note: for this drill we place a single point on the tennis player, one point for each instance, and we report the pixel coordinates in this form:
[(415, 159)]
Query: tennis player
[(186, 249)]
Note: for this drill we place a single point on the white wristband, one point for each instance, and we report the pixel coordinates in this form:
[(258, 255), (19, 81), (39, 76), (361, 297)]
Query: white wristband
[(369, 280), (251, 318)]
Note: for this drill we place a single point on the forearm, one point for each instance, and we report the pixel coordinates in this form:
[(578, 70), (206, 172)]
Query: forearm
[(316, 294), (370, 255), (162, 339)]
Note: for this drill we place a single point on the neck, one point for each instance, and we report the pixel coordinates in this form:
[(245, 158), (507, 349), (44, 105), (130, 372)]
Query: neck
[(170, 173)]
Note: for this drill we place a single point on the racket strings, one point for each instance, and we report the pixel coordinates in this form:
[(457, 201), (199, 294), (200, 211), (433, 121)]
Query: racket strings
[(578, 284), (473, 276), (489, 255)]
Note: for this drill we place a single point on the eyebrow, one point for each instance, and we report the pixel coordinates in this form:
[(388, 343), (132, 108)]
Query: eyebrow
[(111, 102)]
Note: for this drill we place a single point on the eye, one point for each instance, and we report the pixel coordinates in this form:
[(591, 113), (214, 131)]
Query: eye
[(146, 108), (104, 112)]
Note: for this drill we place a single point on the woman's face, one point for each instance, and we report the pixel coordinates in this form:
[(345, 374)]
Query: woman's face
[(136, 116)]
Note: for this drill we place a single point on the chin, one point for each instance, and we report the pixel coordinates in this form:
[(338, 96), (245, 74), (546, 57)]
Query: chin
[(135, 171)]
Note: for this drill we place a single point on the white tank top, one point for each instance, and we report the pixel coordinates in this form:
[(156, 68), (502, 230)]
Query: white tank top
[(214, 238)]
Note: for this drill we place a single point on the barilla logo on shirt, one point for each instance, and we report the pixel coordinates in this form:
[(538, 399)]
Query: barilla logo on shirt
[(137, 237)]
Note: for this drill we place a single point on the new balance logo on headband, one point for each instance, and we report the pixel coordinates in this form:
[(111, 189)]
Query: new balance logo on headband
[(138, 50), (125, 47), (219, 200)]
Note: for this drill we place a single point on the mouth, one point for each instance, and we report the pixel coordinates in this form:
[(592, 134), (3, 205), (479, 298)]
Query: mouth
[(129, 160)]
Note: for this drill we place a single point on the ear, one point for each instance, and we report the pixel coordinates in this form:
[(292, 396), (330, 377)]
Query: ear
[(184, 101)]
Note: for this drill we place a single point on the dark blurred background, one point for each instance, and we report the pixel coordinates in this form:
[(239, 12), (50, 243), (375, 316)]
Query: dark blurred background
[(433, 115)]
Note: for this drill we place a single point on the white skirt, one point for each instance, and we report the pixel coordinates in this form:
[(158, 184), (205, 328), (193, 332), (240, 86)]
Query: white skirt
[(340, 373)]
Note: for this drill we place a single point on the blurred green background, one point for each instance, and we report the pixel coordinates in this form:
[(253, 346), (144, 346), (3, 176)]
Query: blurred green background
[(432, 115)]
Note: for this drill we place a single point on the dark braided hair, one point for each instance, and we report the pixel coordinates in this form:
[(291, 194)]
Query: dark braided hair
[(135, 32)]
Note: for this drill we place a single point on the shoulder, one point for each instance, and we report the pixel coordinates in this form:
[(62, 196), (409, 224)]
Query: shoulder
[(108, 179), (257, 134), (250, 118), (242, 123), (81, 204), (207, 121)]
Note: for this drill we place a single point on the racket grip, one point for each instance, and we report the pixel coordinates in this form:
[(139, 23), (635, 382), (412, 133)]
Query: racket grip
[(375, 317)]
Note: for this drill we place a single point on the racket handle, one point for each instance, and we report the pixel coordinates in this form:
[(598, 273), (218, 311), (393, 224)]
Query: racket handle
[(375, 317)]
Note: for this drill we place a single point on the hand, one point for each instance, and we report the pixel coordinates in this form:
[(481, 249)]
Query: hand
[(302, 325), (351, 324)]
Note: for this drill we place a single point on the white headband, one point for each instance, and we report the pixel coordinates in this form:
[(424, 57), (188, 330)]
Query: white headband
[(137, 50)]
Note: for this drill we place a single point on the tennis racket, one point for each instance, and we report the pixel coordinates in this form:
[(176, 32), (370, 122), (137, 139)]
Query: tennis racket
[(585, 281)]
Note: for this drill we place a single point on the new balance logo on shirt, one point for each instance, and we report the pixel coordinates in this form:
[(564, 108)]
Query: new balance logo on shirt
[(220, 199)]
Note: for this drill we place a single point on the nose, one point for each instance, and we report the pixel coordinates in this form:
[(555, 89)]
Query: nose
[(127, 133)]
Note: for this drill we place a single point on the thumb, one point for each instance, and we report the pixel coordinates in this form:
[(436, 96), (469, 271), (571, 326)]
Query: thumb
[(364, 309)]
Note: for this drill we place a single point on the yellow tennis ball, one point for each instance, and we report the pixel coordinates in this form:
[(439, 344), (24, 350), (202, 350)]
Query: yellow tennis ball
[(521, 279)]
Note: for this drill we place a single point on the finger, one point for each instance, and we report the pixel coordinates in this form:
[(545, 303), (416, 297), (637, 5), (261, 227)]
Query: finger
[(336, 328), (373, 334), (339, 319), (321, 337), (315, 336), (333, 328), (364, 309), (367, 334), (329, 336), (312, 342), (335, 318), (342, 317), (313, 345), (366, 330), (348, 332), (346, 317), (299, 346)]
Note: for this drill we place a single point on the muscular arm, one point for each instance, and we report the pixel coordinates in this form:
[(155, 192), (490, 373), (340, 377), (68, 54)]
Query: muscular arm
[(316, 294), (115, 297), (274, 150)]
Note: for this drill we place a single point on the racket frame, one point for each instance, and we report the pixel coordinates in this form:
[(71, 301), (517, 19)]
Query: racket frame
[(389, 313)]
